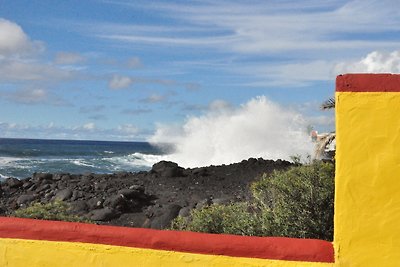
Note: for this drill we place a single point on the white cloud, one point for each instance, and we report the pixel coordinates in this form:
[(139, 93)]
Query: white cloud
[(260, 27), (301, 41), (30, 96), (14, 41), (155, 98), (19, 61), (374, 62), (88, 131), (287, 74), (28, 70), (128, 129), (89, 126), (33, 96), (259, 128), (67, 58), (119, 82)]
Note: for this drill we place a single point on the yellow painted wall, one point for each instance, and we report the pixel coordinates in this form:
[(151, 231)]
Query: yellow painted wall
[(32, 253), (367, 201)]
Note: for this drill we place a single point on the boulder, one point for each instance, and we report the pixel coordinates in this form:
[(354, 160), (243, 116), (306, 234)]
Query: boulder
[(117, 202), (64, 194), (33, 187), (26, 184), (37, 177), (94, 203), (200, 171), (57, 176), (132, 192), (203, 203), (184, 212), (167, 169), (43, 188), (169, 213), (25, 199), (13, 182), (76, 194), (80, 207), (104, 214)]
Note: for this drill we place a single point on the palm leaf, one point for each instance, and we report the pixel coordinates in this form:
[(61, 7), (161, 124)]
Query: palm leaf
[(328, 104)]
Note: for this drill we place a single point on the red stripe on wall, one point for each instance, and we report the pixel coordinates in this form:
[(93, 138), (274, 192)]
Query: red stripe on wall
[(278, 248), (368, 83)]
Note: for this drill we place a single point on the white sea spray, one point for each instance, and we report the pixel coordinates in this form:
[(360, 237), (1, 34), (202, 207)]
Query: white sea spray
[(258, 128)]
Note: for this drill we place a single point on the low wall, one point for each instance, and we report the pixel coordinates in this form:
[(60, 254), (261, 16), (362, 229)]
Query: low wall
[(26, 242)]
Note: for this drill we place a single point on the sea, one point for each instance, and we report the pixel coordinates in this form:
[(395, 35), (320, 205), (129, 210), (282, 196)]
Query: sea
[(20, 158)]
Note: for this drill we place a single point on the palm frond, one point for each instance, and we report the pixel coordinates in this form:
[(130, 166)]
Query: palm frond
[(328, 104)]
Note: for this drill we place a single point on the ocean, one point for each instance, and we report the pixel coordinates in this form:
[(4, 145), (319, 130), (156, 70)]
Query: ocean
[(20, 158)]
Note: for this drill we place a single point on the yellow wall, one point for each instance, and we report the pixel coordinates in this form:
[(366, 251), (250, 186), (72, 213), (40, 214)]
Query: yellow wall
[(32, 253), (367, 201)]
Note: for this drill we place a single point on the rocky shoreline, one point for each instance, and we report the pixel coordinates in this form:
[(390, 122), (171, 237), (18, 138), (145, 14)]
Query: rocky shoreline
[(142, 199)]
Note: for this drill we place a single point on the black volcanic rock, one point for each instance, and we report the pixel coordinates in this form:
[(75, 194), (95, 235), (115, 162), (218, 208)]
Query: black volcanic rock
[(167, 169), (104, 214), (142, 199), (13, 182), (64, 194), (23, 199), (41, 176), (166, 215)]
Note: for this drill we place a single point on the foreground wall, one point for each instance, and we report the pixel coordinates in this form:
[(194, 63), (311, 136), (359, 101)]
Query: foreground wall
[(367, 204), (26, 242)]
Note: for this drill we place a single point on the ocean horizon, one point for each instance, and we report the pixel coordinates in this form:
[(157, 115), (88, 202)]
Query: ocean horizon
[(21, 157)]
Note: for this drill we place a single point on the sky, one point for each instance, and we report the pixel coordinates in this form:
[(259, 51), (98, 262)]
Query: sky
[(159, 70)]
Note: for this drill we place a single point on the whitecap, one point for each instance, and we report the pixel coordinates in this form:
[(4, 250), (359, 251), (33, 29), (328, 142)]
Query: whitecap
[(82, 162), (135, 160), (9, 161), (3, 177)]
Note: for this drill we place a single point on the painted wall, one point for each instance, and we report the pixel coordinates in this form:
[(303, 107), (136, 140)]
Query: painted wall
[(367, 201), (26, 242), (367, 208)]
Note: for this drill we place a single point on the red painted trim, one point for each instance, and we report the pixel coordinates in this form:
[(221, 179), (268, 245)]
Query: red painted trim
[(368, 83), (277, 248)]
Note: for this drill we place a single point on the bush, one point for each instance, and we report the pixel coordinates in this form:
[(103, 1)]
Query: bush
[(236, 218), (57, 210), (300, 200), (297, 202)]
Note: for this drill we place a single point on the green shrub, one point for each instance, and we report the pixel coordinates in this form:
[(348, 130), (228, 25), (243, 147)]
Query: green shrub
[(57, 210), (236, 218), (297, 202), (300, 200)]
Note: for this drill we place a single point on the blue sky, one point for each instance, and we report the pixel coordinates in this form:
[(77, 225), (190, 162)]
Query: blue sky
[(122, 70)]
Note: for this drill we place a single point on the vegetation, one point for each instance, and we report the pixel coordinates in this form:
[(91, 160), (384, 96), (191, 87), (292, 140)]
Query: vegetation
[(293, 203), (56, 210), (300, 200), (235, 218), (328, 104)]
